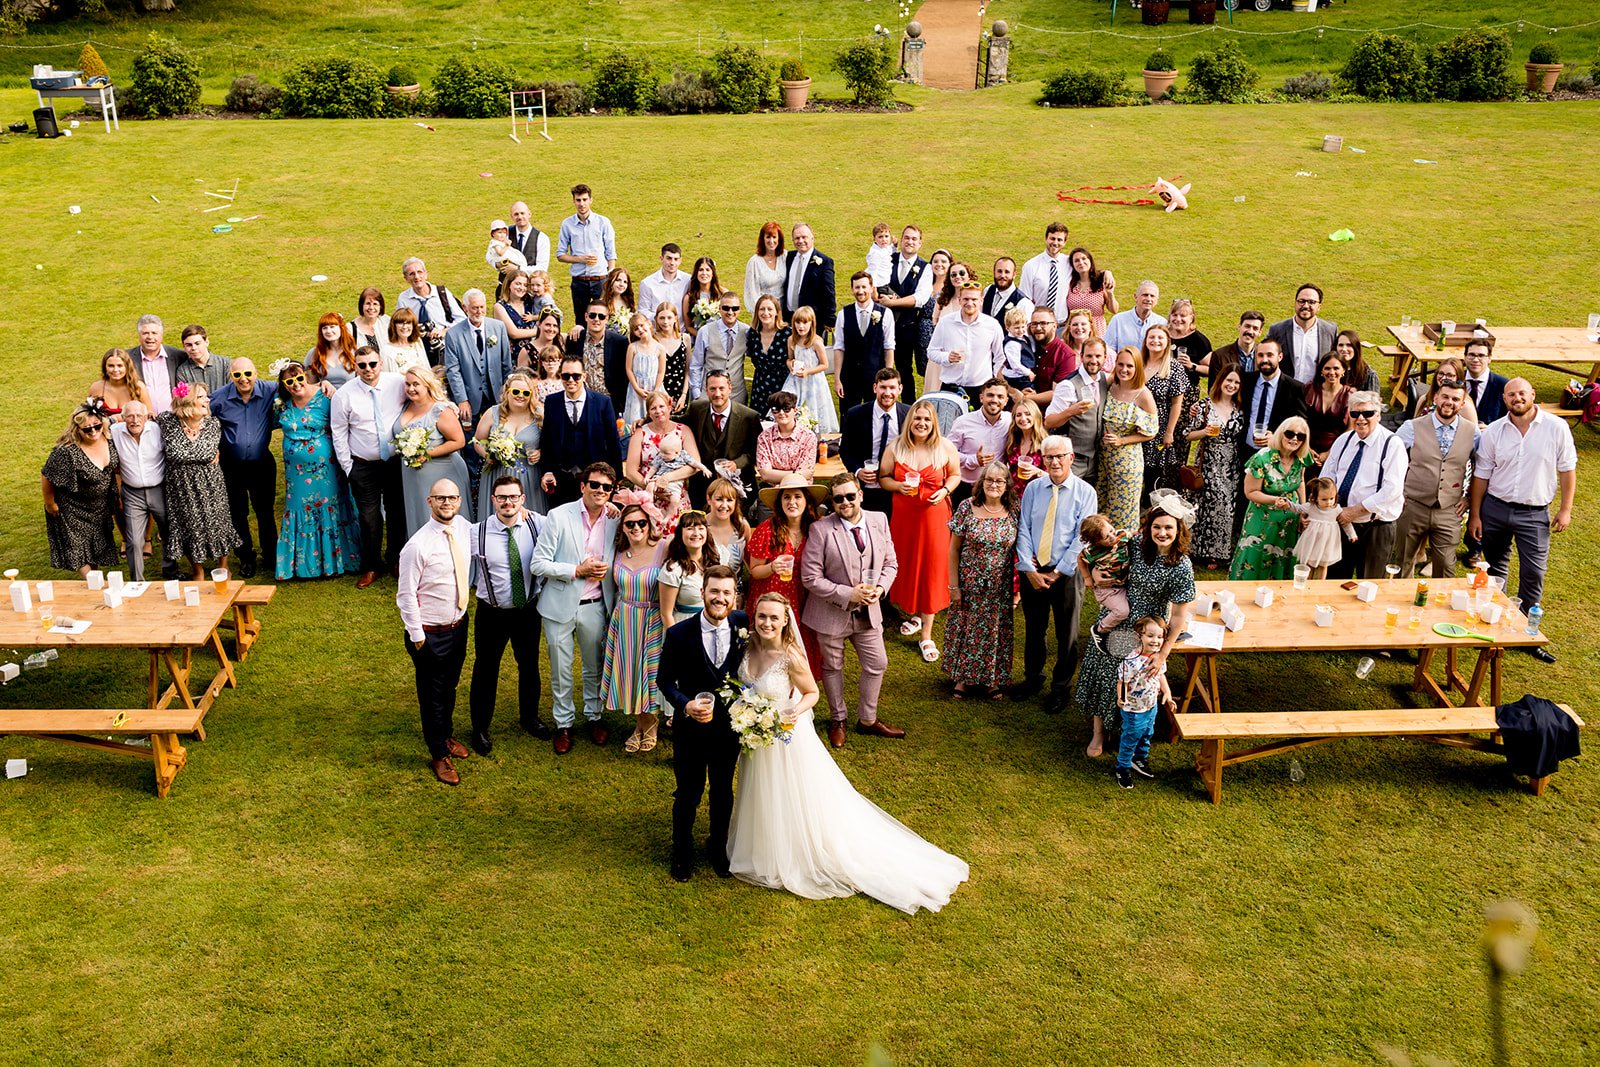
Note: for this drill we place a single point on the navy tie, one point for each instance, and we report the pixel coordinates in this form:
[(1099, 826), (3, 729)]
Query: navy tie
[(1350, 475)]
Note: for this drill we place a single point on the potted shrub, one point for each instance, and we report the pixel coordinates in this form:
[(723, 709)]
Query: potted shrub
[(796, 86), (402, 81), (1159, 73), (1543, 67), (1154, 12)]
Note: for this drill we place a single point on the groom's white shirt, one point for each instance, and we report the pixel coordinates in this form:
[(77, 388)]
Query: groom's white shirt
[(715, 638)]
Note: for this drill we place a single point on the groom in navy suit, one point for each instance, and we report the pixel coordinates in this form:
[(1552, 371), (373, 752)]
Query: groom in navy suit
[(580, 427), (698, 656)]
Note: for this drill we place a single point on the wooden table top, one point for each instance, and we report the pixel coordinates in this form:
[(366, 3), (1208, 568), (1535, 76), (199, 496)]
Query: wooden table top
[(1516, 344), (1288, 624), (147, 621)]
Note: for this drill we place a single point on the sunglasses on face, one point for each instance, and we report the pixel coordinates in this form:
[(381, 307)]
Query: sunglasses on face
[(636, 524), (572, 377), (295, 379), (596, 316), (730, 307), (94, 427), (369, 365), (240, 375), (1363, 414), (844, 498), (1293, 435), (599, 487), (520, 393)]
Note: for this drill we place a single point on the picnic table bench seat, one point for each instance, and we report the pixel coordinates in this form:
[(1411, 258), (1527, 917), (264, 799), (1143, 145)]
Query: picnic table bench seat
[(1302, 729), (90, 727)]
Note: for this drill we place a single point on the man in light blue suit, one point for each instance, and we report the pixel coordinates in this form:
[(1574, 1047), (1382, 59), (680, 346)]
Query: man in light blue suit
[(573, 558), (477, 358)]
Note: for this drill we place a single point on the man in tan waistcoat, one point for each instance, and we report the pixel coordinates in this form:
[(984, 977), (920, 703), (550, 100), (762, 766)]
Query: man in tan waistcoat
[(1437, 480)]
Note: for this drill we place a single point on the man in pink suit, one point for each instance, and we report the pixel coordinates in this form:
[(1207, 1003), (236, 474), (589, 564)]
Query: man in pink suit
[(847, 566)]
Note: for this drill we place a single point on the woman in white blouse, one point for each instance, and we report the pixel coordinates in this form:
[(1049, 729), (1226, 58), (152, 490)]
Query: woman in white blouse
[(371, 325), (766, 272), (404, 348)]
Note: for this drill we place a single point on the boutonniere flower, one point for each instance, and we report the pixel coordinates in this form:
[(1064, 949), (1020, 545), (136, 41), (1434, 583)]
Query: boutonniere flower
[(877, 317), (493, 340), (916, 269), (816, 261), (744, 634)]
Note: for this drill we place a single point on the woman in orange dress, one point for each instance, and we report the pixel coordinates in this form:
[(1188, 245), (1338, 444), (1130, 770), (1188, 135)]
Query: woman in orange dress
[(923, 469)]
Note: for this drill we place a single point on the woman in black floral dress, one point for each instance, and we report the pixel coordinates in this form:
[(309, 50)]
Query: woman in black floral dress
[(197, 499), (80, 493), (767, 345), (1216, 425)]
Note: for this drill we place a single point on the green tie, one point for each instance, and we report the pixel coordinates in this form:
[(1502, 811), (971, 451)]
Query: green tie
[(519, 595)]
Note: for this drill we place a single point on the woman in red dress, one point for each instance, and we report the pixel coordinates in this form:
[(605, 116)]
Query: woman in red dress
[(773, 553), (923, 469)]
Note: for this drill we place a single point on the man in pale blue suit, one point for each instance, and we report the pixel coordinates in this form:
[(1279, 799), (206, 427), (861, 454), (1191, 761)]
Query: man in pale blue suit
[(477, 359), (573, 557)]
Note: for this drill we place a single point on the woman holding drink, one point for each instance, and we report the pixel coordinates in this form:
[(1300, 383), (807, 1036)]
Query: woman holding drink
[(1217, 423), (1024, 451), (924, 469)]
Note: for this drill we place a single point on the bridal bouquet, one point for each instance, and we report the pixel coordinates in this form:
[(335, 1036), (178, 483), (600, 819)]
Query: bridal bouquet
[(620, 320), (411, 444), (702, 312), (503, 449), (755, 717)]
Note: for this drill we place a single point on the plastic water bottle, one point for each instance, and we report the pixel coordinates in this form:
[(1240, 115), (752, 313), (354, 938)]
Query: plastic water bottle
[(1535, 617), (1297, 773)]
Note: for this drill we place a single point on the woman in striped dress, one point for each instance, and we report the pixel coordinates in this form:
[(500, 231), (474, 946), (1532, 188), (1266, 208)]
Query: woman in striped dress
[(633, 641)]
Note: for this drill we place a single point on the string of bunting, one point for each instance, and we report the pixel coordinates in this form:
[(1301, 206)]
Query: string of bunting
[(1319, 28)]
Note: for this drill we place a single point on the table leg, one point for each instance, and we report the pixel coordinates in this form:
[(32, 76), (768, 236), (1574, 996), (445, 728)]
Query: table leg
[(1216, 694), (1191, 680), (155, 680), (116, 121), (180, 675), (1424, 661), (1402, 375), (1496, 655), (222, 657), (1469, 695)]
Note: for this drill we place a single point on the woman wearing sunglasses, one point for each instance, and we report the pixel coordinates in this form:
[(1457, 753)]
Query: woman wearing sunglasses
[(515, 421), (80, 486), (319, 535), (1266, 547), (633, 639)]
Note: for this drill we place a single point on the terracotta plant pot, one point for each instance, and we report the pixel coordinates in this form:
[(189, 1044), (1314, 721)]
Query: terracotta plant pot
[(795, 93), (1154, 12), (1157, 82), (1542, 76), (404, 90)]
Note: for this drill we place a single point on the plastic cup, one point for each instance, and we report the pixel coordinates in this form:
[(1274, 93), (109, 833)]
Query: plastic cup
[(1364, 667), (47, 617), (1513, 607), (1302, 574), (219, 578), (913, 479), (1415, 622), (1391, 618)]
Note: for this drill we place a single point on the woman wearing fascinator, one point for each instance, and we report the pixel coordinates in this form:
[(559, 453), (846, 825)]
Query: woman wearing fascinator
[(1160, 584)]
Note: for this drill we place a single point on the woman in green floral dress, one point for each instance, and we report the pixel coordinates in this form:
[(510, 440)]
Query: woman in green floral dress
[(1266, 547)]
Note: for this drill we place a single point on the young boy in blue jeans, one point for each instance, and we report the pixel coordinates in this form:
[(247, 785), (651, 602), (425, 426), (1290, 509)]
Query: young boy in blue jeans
[(1138, 689)]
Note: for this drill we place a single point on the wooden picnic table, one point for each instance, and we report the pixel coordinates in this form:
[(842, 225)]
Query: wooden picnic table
[(1288, 625), (1560, 348), (169, 631)]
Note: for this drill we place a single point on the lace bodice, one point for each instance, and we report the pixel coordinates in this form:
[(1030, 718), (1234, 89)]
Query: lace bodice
[(773, 682)]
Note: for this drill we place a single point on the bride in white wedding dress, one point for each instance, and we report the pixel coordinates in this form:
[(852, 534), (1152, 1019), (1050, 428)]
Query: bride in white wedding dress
[(797, 822)]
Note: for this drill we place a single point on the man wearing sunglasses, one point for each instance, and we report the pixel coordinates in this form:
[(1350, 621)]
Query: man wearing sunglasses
[(1368, 465), (361, 419), (573, 555), (720, 347), (847, 566), (580, 426), (244, 407), (595, 346)]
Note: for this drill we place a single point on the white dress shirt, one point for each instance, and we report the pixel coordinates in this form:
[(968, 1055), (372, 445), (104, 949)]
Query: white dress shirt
[(350, 418), (428, 595), (876, 434), (972, 433), (1381, 479), (1521, 468), (898, 268), (491, 570), (657, 290), (981, 343), (1034, 281), (863, 323), (1305, 350), (1081, 386), (715, 637), (142, 462)]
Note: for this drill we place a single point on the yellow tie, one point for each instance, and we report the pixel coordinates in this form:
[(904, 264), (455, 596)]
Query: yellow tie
[(460, 559), (1047, 538)]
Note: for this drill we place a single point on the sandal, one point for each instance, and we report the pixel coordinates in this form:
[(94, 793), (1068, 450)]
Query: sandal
[(930, 651), (911, 628), (633, 742), (960, 693)]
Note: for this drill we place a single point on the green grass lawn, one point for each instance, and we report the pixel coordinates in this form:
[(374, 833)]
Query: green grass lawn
[(308, 893), (265, 37)]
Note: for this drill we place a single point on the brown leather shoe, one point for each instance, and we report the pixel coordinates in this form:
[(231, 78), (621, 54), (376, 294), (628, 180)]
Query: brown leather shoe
[(879, 728), (598, 732), (366, 579), (836, 734), (563, 741), (457, 749), (445, 771)]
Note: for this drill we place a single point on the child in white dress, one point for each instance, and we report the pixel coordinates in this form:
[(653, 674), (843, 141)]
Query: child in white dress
[(1319, 542), (646, 368), (808, 371)]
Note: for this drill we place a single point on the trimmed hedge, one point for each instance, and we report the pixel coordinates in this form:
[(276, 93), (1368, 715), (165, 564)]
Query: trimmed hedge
[(1385, 67), (1222, 75), (1474, 65), (686, 94), (473, 88), (867, 68), (334, 87), (250, 94), (742, 78), (165, 79), (623, 82)]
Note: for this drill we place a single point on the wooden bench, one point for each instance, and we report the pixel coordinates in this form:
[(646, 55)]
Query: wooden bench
[(244, 624), (88, 727), (1560, 412), (1302, 729)]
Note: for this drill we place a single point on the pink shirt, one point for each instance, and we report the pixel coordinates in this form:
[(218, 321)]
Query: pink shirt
[(797, 452), (594, 545), (156, 378)]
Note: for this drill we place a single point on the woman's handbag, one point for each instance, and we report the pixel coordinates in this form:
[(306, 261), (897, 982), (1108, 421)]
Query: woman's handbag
[(1191, 478)]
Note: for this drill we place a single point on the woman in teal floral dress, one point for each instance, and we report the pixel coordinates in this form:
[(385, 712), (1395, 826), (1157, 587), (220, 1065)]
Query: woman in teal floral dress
[(983, 544), (1128, 421), (320, 535), (1266, 547)]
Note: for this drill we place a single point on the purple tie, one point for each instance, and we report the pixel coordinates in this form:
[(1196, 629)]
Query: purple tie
[(861, 544)]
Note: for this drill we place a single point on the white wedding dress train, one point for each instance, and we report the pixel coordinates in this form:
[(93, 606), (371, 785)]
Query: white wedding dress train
[(799, 825)]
